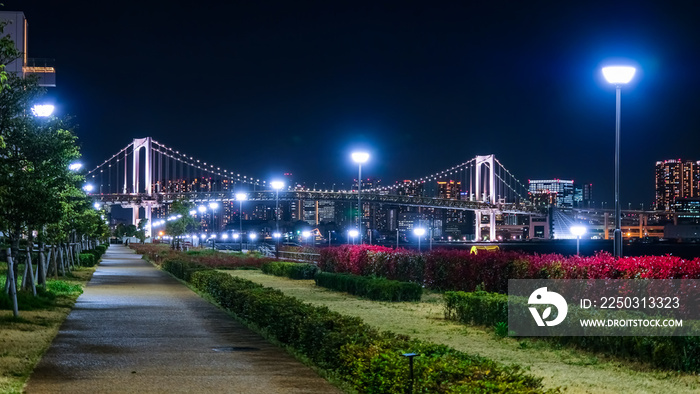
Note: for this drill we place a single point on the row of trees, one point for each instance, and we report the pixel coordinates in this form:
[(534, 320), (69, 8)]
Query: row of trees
[(41, 199)]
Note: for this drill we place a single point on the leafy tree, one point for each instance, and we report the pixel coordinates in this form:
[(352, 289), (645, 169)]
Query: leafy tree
[(186, 222)]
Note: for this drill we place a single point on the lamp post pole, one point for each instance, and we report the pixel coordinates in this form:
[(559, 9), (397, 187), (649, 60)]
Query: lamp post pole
[(359, 158), (618, 214), (618, 75)]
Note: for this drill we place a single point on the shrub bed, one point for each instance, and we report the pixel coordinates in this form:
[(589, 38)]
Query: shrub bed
[(369, 360), (290, 270), (490, 309), (182, 269), (444, 269), (87, 259), (379, 289)]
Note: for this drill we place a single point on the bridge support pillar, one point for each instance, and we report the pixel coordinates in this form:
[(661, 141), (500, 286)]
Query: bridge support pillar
[(135, 215), (148, 212), (492, 226), (489, 162), (477, 227)]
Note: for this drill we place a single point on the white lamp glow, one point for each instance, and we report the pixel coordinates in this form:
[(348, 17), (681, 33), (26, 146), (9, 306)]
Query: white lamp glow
[(42, 110), (277, 185), (353, 233), (360, 157), (241, 196), (419, 231), (618, 74), (577, 230)]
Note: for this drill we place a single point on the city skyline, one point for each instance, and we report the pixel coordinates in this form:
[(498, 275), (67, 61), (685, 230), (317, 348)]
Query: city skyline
[(271, 88)]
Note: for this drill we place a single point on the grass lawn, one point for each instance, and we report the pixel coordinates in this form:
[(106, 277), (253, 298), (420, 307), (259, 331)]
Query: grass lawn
[(24, 340), (577, 371)]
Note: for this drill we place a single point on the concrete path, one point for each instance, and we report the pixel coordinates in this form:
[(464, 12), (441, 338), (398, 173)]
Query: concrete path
[(138, 330)]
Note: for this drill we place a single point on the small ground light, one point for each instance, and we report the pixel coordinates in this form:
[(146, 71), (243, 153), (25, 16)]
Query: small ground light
[(410, 369), (578, 231)]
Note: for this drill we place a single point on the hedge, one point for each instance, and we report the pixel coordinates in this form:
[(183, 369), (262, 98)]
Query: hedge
[(182, 269), (87, 259), (672, 352), (369, 360), (290, 270), (379, 289)]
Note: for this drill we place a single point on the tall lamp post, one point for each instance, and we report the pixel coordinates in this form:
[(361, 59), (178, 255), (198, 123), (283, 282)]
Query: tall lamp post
[(359, 158), (618, 75), (241, 197), (277, 185)]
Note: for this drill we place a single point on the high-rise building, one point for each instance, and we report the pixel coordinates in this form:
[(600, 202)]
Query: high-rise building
[(676, 179), (17, 29), (451, 190), (559, 191)]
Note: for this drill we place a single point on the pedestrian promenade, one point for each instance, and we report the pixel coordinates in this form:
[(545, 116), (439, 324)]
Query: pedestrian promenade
[(135, 329)]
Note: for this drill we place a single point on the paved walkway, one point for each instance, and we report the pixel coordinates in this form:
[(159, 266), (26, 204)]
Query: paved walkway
[(138, 330)]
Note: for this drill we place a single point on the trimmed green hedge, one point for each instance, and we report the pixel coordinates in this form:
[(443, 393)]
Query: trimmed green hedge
[(489, 309), (182, 269), (379, 289), (87, 259), (290, 270), (367, 359)]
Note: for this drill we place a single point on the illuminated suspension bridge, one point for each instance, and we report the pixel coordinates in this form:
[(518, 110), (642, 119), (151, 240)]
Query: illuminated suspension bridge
[(147, 174)]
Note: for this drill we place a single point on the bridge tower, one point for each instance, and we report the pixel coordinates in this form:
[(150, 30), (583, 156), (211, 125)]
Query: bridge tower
[(146, 144), (480, 192)]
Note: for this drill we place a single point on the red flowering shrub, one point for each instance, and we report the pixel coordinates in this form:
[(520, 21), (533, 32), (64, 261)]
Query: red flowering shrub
[(444, 269)]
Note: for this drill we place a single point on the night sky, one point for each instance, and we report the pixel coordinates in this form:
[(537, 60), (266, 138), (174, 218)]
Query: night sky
[(264, 87)]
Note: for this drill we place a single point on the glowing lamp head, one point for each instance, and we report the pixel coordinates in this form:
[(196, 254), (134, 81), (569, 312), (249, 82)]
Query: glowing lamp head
[(253, 236), (75, 166), (213, 205), (306, 234), (419, 231), (276, 235), (193, 212), (360, 157), (224, 236), (353, 233), (42, 110), (577, 230), (241, 196), (96, 205), (201, 209), (235, 236), (88, 187), (618, 74), (277, 185)]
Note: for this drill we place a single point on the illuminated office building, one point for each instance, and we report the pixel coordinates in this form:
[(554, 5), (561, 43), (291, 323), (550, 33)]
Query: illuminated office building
[(676, 179), (559, 192)]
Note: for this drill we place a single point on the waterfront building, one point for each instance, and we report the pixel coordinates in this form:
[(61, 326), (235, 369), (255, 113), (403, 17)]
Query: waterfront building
[(558, 192), (676, 179)]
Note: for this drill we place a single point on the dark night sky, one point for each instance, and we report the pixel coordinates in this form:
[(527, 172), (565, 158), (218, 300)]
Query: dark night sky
[(264, 87)]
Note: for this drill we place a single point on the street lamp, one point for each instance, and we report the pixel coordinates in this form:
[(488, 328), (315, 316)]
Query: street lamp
[(88, 188), (42, 110), (241, 197), (75, 166), (277, 185), (352, 234), (618, 75), (359, 158), (578, 231), (306, 235), (419, 232)]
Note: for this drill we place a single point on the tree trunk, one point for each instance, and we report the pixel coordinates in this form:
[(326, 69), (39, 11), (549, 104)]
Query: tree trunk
[(62, 260), (41, 266), (28, 278), (12, 282)]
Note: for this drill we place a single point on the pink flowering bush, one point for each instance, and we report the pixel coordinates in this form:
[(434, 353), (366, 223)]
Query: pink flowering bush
[(449, 269)]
